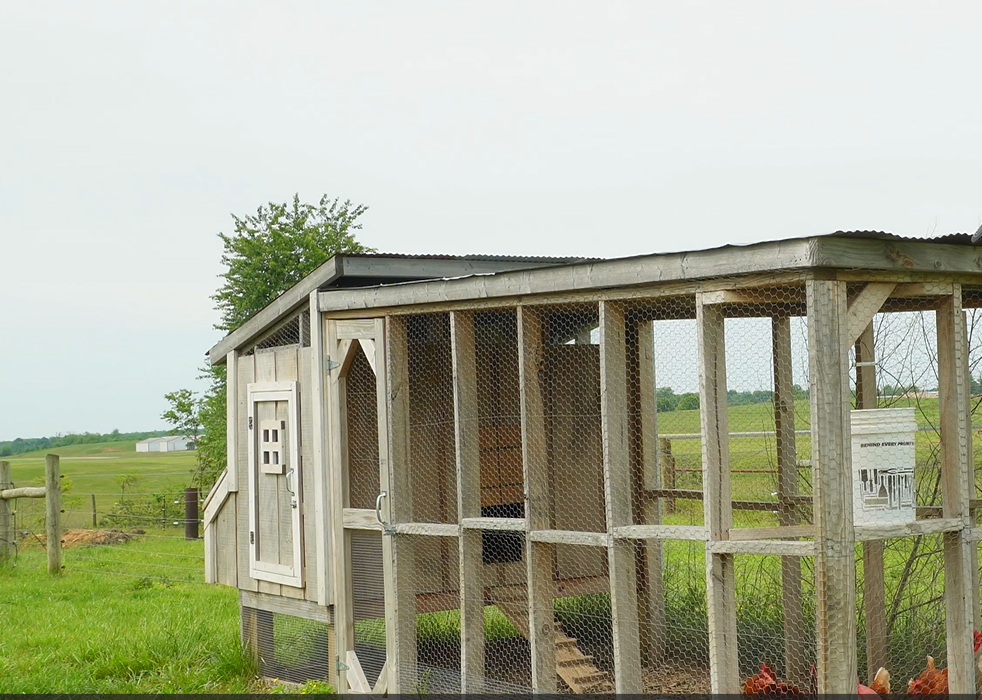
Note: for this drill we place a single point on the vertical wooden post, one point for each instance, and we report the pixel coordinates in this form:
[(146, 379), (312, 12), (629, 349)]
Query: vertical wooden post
[(191, 514), (653, 631), (319, 450), (468, 458), (973, 519), (667, 471), (835, 564), (874, 587), (717, 504), (956, 492), (795, 653), (538, 555), (394, 453), (344, 630), (618, 496), (52, 521), (95, 515), (6, 519)]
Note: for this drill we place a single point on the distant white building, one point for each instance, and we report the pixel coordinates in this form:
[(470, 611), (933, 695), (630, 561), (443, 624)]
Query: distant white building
[(170, 443)]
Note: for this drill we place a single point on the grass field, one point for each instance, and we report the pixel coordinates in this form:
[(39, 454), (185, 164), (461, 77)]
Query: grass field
[(111, 471), (96, 630)]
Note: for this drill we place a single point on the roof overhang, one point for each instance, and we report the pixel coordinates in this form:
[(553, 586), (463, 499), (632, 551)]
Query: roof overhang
[(370, 270), (855, 251)]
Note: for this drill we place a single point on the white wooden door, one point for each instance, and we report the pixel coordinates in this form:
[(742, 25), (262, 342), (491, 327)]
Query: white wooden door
[(275, 483), (359, 433)]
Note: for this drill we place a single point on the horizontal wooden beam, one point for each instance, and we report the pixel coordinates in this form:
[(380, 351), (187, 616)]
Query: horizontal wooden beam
[(738, 534), (774, 547), (23, 492), (293, 607), (661, 532), (429, 529), (501, 524), (869, 533), (358, 519), (591, 539)]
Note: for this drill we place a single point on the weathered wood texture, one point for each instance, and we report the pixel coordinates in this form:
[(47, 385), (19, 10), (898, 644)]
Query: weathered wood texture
[(7, 548), (835, 569), (957, 489), (874, 584), (538, 555), (795, 653), (467, 451), (718, 513), (399, 566), (52, 517), (652, 601), (618, 498)]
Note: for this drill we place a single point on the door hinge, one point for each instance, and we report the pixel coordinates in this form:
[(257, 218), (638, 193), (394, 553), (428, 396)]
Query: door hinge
[(342, 666), (250, 422), (252, 538), (330, 365)]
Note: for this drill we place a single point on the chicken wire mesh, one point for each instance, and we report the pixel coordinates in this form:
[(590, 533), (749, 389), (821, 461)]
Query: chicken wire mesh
[(287, 647), (597, 472)]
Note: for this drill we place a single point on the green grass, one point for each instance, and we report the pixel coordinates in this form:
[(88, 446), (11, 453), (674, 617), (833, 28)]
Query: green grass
[(101, 469), (93, 631)]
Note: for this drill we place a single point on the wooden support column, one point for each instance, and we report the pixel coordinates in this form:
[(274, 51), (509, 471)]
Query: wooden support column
[(538, 555), (717, 505), (319, 450), (653, 602), (973, 519), (394, 455), (52, 520), (344, 627), (468, 458), (956, 492), (796, 660), (6, 516), (835, 565), (874, 587), (617, 492)]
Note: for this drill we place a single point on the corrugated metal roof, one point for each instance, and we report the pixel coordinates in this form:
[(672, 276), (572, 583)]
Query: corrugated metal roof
[(948, 238), (545, 259)]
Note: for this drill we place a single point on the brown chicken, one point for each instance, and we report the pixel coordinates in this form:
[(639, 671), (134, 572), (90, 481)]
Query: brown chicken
[(766, 683), (932, 681)]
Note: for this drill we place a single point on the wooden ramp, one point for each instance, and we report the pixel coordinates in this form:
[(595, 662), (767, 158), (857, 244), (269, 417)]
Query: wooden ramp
[(575, 668)]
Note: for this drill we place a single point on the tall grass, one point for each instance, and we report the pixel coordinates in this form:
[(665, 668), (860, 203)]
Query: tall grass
[(95, 632)]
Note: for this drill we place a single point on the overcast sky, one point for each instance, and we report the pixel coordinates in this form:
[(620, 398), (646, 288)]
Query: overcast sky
[(132, 130)]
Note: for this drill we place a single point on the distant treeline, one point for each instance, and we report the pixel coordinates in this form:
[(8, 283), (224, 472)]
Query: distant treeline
[(668, 400), (21, 445)]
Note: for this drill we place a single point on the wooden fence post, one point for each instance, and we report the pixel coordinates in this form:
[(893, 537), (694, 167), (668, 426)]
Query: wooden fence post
[(52, 484), (6, 517), (667, 471), (94, 515)]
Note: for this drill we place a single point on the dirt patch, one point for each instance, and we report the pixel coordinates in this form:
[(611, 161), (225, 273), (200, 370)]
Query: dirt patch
[(81, 538), (671, 679)]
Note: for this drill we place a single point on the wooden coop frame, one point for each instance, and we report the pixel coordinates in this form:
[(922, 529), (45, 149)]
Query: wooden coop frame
[(837, 282)]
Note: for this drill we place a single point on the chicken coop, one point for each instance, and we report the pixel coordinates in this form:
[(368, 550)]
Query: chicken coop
[(640, 475)]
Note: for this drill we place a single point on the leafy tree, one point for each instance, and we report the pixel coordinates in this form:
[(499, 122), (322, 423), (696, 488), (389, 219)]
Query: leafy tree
[(267, 253), (183, 414), (278, 246)]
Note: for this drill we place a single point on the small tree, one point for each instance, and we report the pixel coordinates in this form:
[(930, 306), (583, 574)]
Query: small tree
[(267, 253), (184, 414)]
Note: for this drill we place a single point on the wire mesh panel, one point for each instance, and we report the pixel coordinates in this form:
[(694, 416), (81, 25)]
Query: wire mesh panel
[(431, 421), (368, 601), (666, 487), (288, 648), (360, 431)]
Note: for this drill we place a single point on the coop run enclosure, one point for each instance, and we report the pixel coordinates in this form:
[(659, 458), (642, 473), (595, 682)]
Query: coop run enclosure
[(650, 474)]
